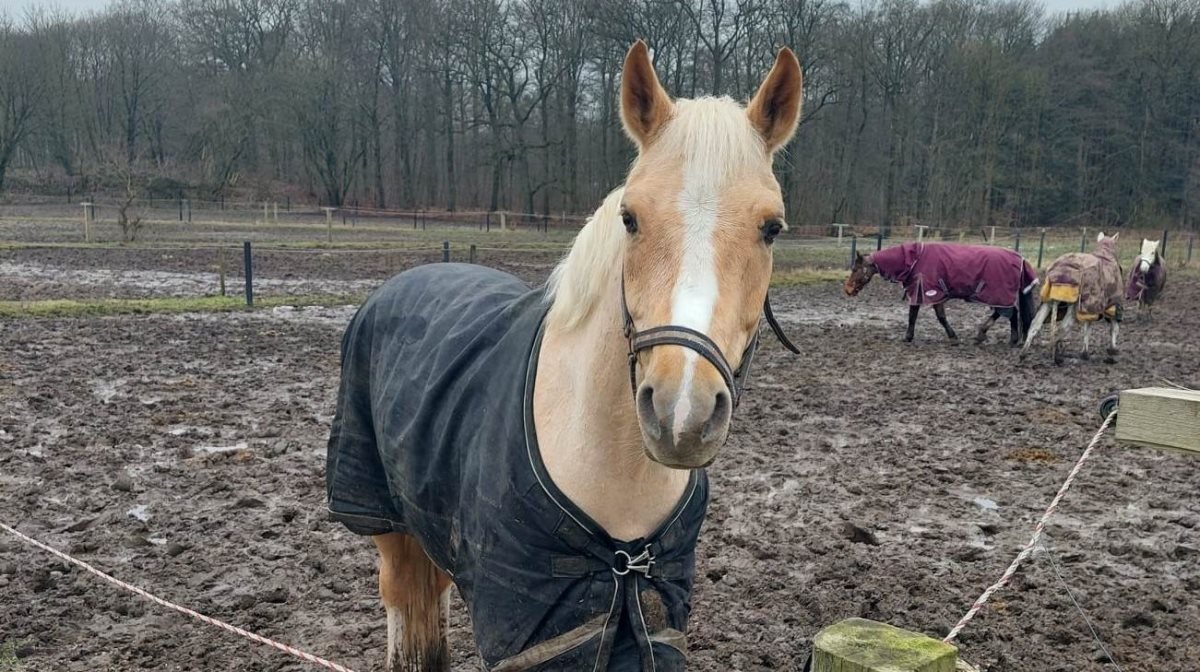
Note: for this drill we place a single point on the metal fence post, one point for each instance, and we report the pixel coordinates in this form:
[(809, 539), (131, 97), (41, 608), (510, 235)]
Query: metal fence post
[(1083, 240), (853, 248), (249, 273), (445, 250), (1041, 248), (1017, 241), (1163, 251), (471, 254), (879, 241), (1191, 242)]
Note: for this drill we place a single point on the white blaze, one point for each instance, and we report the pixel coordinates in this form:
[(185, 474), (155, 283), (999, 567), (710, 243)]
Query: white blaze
[(695, 295)]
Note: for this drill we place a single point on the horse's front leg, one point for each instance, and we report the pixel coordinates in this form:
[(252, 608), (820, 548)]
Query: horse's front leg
[(940, 311), (416, 595), (1014, 327), (912, 323), (981, 333)]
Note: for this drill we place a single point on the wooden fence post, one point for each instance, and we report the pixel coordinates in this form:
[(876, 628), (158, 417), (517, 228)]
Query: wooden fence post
[(87, 222), (471, 256), (1162, 248), (445, 251), (1041, 248), (1191, 243), (1083, 240), (329, 222), (248, 261), (853, 248), (878, 241), (859, 645), (992, 237)]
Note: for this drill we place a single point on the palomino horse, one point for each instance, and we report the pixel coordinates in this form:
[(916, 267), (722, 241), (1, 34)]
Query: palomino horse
[(1147, 278), (1081, 287), (545, 450), (931, 273)]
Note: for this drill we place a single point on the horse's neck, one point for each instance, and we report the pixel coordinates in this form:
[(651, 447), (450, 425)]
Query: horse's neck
[(588, 430)]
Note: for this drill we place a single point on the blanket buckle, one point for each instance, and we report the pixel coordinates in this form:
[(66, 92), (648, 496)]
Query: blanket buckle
[(640, 563)]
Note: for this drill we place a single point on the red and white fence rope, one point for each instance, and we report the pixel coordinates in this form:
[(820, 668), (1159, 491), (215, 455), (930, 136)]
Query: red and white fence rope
[(1037, 534), (183, 610)]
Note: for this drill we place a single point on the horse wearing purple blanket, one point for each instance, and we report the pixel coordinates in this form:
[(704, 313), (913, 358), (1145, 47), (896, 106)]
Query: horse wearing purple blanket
[(932, 273), (1147, 278)]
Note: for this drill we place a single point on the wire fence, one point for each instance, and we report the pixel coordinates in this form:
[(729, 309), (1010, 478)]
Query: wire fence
[(52, 251)]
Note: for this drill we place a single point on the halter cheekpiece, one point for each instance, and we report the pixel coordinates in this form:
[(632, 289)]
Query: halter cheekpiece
[(698, 342)]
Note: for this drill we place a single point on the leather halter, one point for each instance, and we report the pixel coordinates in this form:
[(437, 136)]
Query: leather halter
[(698, 342)]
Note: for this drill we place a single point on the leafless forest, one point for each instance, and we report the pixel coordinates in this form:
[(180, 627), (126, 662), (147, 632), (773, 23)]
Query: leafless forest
[(955, 112)]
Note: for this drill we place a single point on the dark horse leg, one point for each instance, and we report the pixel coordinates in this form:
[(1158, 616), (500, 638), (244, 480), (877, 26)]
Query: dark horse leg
[(981, 333), (912, 323), (1014, 327), (940, 311)]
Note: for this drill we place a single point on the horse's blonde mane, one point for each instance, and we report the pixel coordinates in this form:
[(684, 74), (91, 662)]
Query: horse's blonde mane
[(713, 140), (579, 280)]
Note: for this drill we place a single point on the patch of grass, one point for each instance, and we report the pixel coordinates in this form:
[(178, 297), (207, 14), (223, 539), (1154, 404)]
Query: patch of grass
[(806, 276), (204, 304), (8, 658)]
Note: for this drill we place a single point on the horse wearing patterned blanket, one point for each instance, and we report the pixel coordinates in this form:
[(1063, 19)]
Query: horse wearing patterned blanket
[(1081, 287)]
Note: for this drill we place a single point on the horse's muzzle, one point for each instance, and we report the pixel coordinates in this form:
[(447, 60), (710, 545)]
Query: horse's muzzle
[(684, 429)]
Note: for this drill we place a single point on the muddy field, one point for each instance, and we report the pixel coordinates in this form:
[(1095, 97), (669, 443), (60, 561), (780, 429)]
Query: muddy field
[(868, 477)]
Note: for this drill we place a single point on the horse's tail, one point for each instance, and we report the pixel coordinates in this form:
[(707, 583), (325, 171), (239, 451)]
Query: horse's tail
[(1029, 284), (1025, 310)]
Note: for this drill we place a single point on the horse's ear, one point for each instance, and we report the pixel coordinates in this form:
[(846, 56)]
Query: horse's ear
[(1116, 236), (645, 105), (858, 259), (775, 108), (1099, 236)]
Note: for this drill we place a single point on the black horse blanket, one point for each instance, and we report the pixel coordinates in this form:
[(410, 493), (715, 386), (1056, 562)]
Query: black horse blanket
[(434, 437), (931, 273)]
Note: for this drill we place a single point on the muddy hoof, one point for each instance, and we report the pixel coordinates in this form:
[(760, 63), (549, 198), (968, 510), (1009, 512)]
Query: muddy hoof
[(954, 341), (1058, 353), (1085, 355), (979, 339), (908, 339), (1112, 356)]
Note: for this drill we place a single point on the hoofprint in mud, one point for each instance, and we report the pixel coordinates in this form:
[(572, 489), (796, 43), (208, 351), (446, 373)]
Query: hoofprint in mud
[(860, 483)]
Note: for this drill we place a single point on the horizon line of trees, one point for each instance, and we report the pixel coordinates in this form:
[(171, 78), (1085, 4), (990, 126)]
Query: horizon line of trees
[(950, 112)]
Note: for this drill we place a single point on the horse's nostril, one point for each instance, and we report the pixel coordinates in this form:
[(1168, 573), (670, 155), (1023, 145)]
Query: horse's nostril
[(719, 418), (645, 403)]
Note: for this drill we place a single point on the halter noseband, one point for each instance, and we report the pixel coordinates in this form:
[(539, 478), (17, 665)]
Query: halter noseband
[(698, 342)]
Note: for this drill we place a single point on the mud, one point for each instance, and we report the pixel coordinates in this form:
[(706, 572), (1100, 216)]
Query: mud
[(867, 477)]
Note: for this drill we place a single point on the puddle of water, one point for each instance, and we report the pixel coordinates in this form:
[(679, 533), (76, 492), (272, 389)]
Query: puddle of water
[(141, 512), (986, 504), (219, 449)]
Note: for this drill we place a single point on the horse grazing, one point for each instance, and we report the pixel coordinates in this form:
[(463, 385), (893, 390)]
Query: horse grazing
[(1147, 278), (932, 273), (1081, 287), (545, 449)]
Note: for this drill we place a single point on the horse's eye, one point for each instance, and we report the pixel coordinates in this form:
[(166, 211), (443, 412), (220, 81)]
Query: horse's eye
[(770, 229), (629, 220)]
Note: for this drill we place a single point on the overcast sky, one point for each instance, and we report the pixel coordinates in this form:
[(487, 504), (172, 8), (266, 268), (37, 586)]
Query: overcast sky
[(17, 6)]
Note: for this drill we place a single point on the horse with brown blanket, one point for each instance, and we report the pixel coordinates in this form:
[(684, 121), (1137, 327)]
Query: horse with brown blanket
[(931, 273), (1081, 287)]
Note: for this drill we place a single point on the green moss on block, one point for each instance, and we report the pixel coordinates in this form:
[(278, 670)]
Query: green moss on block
[(859, 645)]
